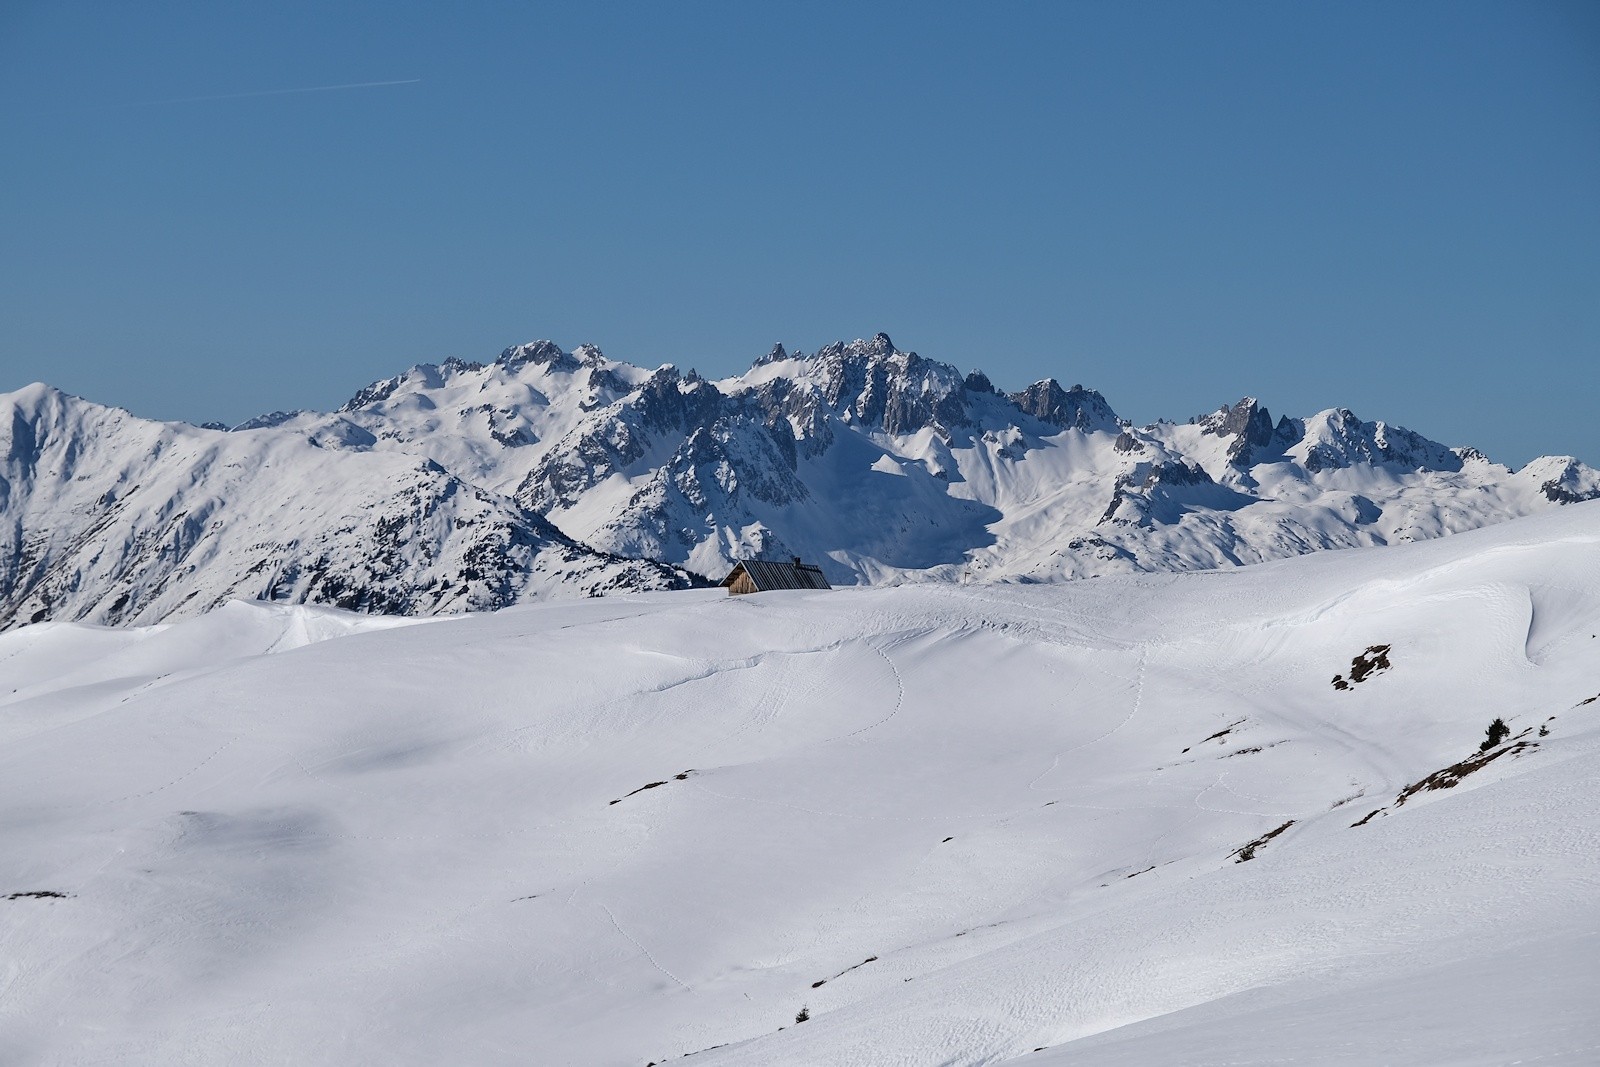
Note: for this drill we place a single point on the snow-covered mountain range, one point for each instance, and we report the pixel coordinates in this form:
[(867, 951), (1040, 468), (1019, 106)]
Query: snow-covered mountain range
[(113, 519), (465, 485)]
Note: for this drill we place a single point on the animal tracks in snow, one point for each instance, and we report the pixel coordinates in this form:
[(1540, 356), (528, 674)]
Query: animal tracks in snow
[(899, 698), (635, 943)]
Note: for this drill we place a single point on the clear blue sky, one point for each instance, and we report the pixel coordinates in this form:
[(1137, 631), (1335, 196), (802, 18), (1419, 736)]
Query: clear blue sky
[(1393, 207)]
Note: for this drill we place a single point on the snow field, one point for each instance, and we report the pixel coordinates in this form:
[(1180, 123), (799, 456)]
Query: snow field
[(955, 824)]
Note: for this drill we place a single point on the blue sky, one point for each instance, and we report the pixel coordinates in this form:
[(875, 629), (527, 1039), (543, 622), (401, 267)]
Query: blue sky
[(1390, 207)]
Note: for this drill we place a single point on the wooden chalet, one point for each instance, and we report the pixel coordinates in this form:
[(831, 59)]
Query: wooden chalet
[(760, 576)]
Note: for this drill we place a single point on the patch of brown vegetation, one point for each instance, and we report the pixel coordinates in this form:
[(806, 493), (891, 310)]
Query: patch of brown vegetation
[(1246, 852), (1452, 776), (653, 785), (870, 959), (1364, 666), (1219, 735)]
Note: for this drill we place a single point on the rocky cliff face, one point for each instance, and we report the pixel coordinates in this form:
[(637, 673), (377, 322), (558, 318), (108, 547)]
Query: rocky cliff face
[(1336, 439), (1070, 409), (465, 485), (1251, 436)]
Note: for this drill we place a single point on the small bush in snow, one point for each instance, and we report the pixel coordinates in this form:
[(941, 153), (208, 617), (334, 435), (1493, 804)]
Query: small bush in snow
[(1498, 731)]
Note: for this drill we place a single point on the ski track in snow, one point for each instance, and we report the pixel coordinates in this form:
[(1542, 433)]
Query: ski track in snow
[(1150, 859), (1221, 783), (708, 670), (771, 702), (700, 786), (1036, 779), (1133, 710)]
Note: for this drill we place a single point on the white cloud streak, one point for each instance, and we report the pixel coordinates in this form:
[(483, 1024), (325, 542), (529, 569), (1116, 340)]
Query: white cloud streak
[(270, 92)]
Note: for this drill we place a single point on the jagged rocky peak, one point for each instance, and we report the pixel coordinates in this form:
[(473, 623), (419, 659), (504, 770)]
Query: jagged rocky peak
[(874, 385), (538, 353), (590, 355), (732, 456), (1247, 419), (777, 355), (978, 382), (1338, 438), (669, 400), (857, 352), (923, 394), (880, 345), (604, 386), (1249, 423), (793, 410), (1071, 409), (376, 393), (666, 404)]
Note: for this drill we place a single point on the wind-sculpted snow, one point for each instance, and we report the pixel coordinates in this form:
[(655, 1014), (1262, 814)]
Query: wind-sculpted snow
[(881, 465), (1120, 822)]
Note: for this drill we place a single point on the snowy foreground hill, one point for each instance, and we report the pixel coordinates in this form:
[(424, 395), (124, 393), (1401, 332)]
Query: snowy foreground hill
[(468, 486), (1126, 821)]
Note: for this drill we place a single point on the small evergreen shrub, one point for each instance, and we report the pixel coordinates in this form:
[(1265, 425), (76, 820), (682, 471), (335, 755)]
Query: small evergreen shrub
[(1498, 731)]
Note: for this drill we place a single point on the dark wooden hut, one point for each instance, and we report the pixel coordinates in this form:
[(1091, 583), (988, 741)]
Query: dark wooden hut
[(760, 575)]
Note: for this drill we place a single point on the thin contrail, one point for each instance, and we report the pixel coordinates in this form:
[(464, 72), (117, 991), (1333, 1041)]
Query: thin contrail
[(270, 92)]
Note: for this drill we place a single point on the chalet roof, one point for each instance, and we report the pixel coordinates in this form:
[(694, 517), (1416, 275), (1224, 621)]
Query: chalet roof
[(767, 575)]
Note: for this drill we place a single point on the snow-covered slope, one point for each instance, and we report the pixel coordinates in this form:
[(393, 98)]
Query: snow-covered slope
[(444, 487), (111, 518), (1127, 821)]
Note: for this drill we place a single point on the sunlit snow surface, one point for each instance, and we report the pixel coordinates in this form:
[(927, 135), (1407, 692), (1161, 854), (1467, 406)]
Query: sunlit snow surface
[(299, 836)]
